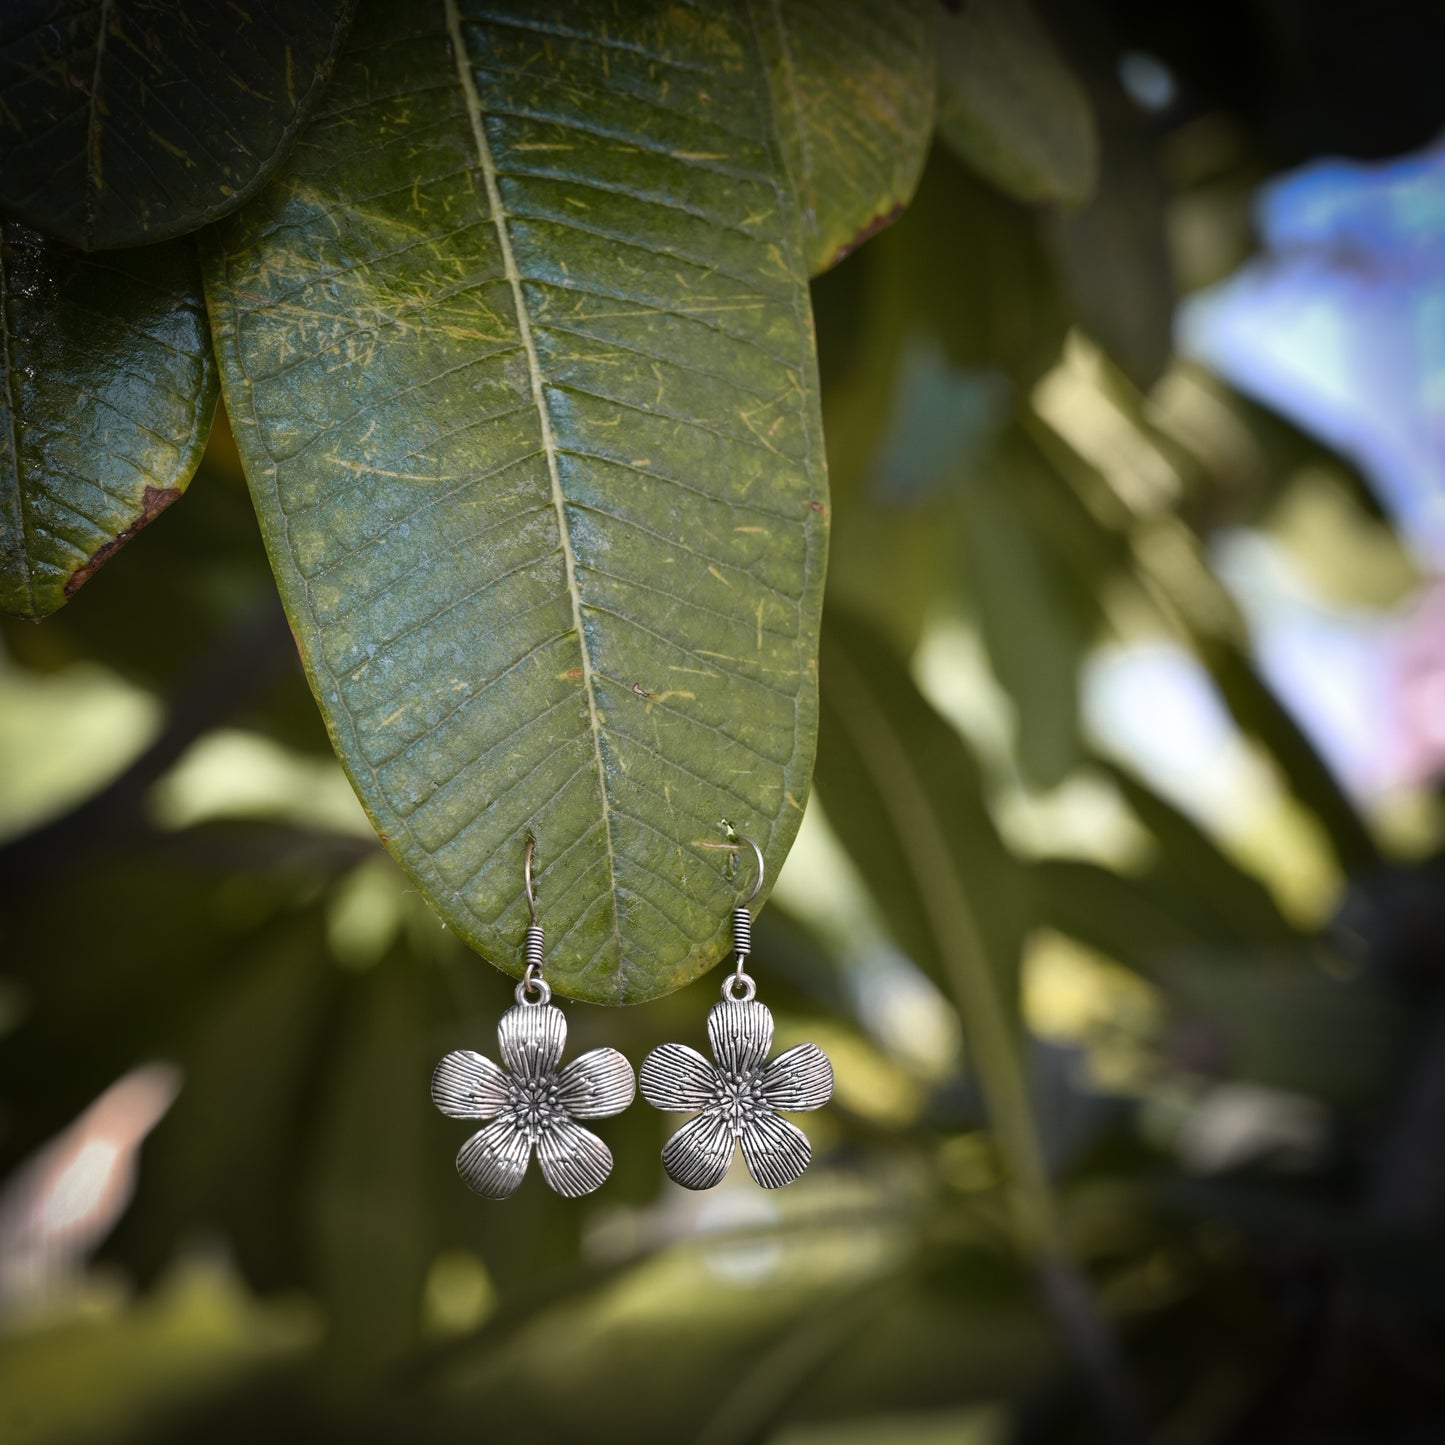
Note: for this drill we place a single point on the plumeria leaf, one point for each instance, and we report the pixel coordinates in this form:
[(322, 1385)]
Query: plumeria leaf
[(1009, 105), (907, 800), (108, 398), (519, 359), (127, 123), (852, 87)]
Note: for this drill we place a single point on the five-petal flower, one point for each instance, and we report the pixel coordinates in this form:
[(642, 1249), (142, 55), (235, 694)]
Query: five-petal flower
[(738, 1099), (533, 1103)]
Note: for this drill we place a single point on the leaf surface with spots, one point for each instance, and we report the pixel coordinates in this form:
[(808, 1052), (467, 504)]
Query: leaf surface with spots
[(852, 86), (109, 392), (519, 358)]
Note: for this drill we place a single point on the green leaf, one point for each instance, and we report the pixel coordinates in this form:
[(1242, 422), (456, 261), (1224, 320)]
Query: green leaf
[(1113, 253), (1009, 105), (1138, 921), (905, 797), (109, 392), (897, 780), (1030, 617), (519, 360), (125, 123), (1263, 716), (852, 88), (1200, 869)]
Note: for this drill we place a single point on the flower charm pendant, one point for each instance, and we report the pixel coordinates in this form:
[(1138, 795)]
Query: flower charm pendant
[(533, 1104), (739, 1098)]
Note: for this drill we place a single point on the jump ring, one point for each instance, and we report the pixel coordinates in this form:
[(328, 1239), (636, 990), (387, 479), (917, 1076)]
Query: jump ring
[(533, 983), (750, 988)]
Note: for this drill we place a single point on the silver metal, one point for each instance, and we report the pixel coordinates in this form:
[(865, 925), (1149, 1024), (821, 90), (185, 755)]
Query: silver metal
[(527, 879), (742, 932), (737, 980), (532, 947), (742, 919), (757, 853), (736, 1097), (533, 991), (533, 1105)]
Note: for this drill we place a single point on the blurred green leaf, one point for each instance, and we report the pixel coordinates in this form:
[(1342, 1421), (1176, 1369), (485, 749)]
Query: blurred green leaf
[(1196, 865), (899, 785), (972, 267), (116, 1374), (904, 796), (1009, 105), (1030, 617), (121, 124), (1113, 253), (1262, 715), (370, 1197), (534, 619), (852, 86), (1135, 920), (109, 393), (1283, 1022)]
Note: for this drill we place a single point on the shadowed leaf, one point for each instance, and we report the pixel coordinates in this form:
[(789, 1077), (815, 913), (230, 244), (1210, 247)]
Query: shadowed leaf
[(852, 86), (136, 121), (109, 392), (1009, 105)]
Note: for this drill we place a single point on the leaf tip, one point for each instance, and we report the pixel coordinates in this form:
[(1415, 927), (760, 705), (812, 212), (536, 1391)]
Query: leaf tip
[(154, 501)]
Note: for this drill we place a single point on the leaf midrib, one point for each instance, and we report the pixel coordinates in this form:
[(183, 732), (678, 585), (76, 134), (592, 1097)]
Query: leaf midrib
[(93, 180), (549, 445)]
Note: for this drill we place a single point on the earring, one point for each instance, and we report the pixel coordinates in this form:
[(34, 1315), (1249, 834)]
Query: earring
[(531, 1102), (738, 1099)]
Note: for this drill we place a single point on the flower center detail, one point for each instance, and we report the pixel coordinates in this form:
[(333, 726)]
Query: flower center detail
[(535, 1104), (740, 1097)]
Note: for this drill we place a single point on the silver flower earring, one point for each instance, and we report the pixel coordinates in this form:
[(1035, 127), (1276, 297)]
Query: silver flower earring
[(533, 1104), (739, 1098)]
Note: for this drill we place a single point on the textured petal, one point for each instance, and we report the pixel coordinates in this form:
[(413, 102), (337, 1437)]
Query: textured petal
[(532, 1037), (776, 1151), (698, 1155), (741, 1034), (493, 1161), (466, 1085), (677, 1078), (574, 1160), (597, 1084), (800, 1078)]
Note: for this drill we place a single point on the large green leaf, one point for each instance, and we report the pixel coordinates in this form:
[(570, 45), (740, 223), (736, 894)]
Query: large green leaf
[(123, 121), (519, 359), (1009, 105), (109, 392), (852, 87), (1029, 614), (905, 797)]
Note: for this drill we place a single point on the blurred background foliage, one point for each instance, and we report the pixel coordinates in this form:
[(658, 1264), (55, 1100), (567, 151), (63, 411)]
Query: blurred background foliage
[(1118, 904)]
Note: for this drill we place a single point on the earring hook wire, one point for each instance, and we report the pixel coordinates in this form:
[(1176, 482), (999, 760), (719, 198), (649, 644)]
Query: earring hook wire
[(757, 853), (527, 878), (742, 925)]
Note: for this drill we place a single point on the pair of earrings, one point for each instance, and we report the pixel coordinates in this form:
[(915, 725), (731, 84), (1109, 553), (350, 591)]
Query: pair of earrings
[(737, 1097)]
